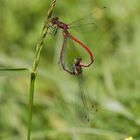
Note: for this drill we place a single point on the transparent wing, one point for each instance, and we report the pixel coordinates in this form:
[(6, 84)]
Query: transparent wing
[(82, 106), (89, 21), (85, 24), (85, 107)]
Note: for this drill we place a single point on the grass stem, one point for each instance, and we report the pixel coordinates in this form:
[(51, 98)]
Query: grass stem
[(35, 65)]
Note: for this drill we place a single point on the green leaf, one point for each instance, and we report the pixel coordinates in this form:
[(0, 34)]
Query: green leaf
[(12, 71)]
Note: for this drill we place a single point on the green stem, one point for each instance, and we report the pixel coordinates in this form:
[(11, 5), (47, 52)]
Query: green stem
[(35, 65), (32, 83)]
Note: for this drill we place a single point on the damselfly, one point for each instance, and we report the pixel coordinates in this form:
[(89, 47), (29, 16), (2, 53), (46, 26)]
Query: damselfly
[(77, 65)]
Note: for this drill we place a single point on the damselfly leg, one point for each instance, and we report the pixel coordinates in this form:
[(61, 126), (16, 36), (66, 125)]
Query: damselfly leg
[(52, 30)]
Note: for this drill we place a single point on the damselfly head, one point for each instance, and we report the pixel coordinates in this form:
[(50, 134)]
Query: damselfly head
[(77, 60), (77, 69), (54, 20)]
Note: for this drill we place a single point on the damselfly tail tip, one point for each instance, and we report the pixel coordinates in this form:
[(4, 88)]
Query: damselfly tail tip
[(93, 108)]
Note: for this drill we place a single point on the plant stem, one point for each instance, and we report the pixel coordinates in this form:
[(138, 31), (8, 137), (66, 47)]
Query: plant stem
[(35, 65), (32, 83)]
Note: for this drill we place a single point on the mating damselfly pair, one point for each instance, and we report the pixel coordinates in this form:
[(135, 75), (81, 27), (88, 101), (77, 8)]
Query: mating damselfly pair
[(72, 61)]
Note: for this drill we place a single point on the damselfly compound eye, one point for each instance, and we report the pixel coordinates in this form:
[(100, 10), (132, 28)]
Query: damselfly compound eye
[(54, 20), (77, 61)]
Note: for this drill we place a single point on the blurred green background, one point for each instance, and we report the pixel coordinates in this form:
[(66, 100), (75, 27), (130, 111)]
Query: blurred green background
[(113, 81)]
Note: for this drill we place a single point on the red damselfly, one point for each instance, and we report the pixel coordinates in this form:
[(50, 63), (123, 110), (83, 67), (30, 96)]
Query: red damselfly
[(77, 66), (57, 24), (65, 27)]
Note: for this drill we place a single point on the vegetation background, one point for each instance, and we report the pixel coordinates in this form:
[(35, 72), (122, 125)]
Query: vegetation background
[(113, 81)]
